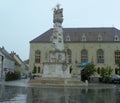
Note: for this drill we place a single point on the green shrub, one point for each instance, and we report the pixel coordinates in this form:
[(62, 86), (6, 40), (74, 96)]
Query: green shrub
[(106, 73), (88, 71), (12, 76)]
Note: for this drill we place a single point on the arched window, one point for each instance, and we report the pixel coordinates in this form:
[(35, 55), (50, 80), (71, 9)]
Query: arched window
[(100, 56), (37, 56), (98, 70), (38, 69), (84, 56), (69, 55), (116, 70), (34, 69), (117, 56)]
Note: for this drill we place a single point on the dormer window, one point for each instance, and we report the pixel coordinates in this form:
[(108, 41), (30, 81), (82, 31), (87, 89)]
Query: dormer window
[(99, 38), (116, 38), (83, 37), (68, 38)]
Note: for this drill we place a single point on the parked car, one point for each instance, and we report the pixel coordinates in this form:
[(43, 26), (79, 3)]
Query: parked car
[(115, 79)]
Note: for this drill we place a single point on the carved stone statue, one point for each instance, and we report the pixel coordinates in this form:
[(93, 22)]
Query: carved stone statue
[(58, 14)]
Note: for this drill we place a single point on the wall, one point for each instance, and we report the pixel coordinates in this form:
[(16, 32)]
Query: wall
[(91, 47)]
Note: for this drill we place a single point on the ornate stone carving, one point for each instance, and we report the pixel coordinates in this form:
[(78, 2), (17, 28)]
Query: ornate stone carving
[(58, 14), (64, 67)]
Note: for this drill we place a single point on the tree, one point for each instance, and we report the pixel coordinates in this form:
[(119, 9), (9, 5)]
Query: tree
[(103, 72), (12, 76), (106, 73), (88, 71)]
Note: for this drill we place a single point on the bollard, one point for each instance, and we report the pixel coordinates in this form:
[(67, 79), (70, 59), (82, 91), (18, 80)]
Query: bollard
[(86, 82)]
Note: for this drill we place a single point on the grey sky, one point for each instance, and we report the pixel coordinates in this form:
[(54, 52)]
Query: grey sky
[(23, 20)]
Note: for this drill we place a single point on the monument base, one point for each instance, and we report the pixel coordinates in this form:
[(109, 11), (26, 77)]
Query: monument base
[(57, 82), (55, 70)]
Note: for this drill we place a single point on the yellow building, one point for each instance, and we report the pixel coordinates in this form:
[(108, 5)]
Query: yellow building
[(100, 46)]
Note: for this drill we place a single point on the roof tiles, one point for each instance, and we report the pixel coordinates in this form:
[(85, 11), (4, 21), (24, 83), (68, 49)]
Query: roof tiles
[(91, 34)]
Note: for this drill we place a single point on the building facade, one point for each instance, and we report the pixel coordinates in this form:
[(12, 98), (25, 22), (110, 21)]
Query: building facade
[(19, 64), (100, 46), (7, 64), (11, 62)]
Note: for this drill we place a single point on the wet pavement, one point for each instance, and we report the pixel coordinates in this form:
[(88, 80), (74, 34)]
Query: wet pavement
[(21, 82), (21, 92)]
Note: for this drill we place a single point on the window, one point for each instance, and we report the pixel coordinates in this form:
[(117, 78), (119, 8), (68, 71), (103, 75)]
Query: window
[(84, 56), (100, 56), (37, 56), (116, 70), (38, 69), (99, 38), (83, 37), (68, 38), (98, 70), (69, 55), (117, 56), (34, 69), (116, 38)]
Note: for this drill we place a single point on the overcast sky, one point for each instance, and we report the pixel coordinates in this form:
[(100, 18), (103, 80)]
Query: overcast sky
[(23, 20)]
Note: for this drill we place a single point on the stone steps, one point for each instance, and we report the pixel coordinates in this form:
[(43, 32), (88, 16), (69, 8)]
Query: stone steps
[(56, 82)]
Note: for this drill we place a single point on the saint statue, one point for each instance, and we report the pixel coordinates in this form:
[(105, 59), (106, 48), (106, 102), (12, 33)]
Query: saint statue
[(58, 16)]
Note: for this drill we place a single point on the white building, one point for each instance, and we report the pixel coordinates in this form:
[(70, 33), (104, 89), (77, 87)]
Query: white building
[(22, 67), (7, 64)]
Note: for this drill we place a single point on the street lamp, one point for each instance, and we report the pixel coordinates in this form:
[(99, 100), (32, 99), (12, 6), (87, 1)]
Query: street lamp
[(2, 58)]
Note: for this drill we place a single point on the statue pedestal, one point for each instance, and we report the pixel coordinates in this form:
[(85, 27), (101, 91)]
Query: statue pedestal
[(55, 70)]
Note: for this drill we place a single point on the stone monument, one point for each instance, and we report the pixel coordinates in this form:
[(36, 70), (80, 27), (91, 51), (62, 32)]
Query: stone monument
[(56, 65)]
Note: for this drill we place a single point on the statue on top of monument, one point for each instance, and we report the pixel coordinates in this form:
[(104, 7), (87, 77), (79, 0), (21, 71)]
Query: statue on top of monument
[(58, 14)]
